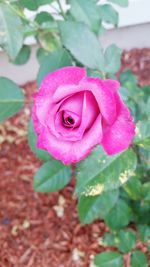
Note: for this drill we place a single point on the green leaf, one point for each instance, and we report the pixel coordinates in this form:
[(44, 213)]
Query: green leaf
[(146, 191), (108, 259), (34, 5), (102, 29), (144, 231), (52, 176), (143, 109), (112, 59), (43, 17), (32, 139), (138, 259), (53, 61), (11, 34), (23, 55), (148, 106), (141, 212), (86, 12), (129, 81), (124, 93), (11, 98), (123, 3), (108, 14), (146, 90), (82, 43), (94, 73), (127, 241), (110, 239), (91, 208), (128, 77), (119, 216), (142, 137), (103, 172), (41, 54), (133, 187), (145, 157)]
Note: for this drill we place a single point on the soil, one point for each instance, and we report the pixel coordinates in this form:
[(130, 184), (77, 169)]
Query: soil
[(43, 230)]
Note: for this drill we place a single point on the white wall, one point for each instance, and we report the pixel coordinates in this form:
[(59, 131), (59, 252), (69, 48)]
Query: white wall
[(19, 74), (137, 12), (135, 36), (133, 31)]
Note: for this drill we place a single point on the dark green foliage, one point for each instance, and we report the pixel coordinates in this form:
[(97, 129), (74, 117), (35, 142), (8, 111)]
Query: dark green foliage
[(109, 259), (52, 176), (32, 139), (11, 98)]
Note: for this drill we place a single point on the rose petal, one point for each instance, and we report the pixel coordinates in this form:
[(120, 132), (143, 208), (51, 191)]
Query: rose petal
[(71, 152), (112, 84), (73, 103), (90, 139), (91, 109), (63, 76), (53, 123), (66, 133), (102, 93), (58, 148), (37, 126), (42, 106), (104, 97), (119, 136)]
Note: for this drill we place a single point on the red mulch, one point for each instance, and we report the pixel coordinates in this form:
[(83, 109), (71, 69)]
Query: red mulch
[(31, 232), (138, 60)]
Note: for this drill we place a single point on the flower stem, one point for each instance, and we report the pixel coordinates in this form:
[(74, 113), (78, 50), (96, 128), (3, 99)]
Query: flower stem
[(61, 9)]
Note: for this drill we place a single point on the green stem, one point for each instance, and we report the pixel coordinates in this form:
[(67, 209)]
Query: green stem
[(21, 15), (61, 9), (103, 74)]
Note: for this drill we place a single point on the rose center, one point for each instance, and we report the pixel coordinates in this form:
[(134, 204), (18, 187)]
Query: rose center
[(69, 120)]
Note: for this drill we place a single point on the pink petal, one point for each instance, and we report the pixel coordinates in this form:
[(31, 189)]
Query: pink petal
[(105, 98), (71, 152), (87, 110), (66, 133), (42, 106), (102, 93), (112, 84), (91, 138), (63, 76), (73, 103), (118, 137), (58, 148), (91, 109), (37, 126)]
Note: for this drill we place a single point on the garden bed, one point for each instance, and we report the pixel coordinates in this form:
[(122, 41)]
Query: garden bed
[(43, 230)]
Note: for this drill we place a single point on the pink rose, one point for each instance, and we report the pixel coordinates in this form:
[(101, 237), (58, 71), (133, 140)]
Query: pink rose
[(72, 113)]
